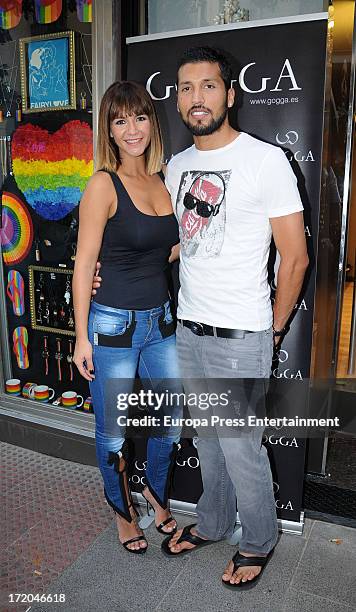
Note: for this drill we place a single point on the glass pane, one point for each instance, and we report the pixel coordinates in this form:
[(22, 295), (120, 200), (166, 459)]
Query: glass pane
[(166, 15), (45, 162)]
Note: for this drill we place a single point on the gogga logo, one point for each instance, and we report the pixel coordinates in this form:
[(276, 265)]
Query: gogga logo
[(282, 356), (290, 137), (279, 504), (136, 479), (192, 462), (281, 440), (284, 77)]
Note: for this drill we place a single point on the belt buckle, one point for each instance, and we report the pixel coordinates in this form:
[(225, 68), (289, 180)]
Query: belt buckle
[(197, 328)]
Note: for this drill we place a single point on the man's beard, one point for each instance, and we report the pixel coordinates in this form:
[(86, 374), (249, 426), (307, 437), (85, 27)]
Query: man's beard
[(206, 130)]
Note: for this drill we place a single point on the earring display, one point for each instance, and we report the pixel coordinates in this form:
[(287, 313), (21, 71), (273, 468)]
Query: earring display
[(51, 302)]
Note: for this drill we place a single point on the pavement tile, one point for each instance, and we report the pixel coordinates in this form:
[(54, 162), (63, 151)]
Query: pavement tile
[(21, 575), (61, 537), (108, 578), (298, 601), (327, 569), (199, 587), (308, 524), (56, 540)]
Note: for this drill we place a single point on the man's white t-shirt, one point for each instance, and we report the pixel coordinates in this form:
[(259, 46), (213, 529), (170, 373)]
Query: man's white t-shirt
[(223, 261)]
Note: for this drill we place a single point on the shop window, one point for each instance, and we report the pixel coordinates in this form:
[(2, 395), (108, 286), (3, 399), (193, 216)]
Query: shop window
[(184, 14), (46, 155)]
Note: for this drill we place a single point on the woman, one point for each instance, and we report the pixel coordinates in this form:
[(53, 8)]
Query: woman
[(126, 220)]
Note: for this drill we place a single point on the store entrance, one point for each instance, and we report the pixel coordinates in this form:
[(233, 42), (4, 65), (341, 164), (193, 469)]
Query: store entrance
[(341, 456), (330, 486)]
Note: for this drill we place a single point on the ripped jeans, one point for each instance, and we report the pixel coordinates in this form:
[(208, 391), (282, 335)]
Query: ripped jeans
[(124, 342)]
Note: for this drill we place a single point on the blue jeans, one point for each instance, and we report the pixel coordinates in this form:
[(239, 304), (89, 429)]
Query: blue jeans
[(124, 342)]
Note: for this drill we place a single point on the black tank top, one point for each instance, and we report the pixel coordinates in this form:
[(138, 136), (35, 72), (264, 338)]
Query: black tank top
[(134, 255)]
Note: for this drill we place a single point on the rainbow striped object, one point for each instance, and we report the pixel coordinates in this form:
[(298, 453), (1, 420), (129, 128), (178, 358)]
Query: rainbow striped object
[(20, 342), (13, 386), (16, 233), (84, 11), (15, 291), (69, 402), (52, 169), (47, 11), (10, 13)]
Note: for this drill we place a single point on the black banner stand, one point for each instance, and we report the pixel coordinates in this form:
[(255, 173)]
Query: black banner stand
[(279, 75)]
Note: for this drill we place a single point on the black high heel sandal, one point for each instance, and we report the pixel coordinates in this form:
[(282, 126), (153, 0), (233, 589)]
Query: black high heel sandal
[(114, 458), (164, 523), (139, 538)]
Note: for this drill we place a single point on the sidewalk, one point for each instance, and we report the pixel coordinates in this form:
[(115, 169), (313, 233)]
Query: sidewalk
[(58, 536)]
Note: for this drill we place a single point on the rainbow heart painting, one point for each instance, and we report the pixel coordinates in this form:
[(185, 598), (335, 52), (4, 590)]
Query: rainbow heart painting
[(52, 170)]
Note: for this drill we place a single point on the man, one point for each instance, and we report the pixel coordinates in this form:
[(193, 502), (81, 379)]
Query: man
[(231, 192)]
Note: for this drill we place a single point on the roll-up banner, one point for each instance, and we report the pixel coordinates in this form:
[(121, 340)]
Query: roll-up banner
[(279, 76)]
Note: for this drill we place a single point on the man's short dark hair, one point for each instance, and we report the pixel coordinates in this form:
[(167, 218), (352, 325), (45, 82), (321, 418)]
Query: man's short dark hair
[(208, 54)]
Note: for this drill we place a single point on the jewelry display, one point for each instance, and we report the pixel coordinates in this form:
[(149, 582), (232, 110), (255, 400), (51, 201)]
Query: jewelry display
[(70, 359), (51, 302), (67, 292), (3, 154), (45, 353), (8, 83), (58, 357), (37, 251), (39, 314), (71, 319), (18, 110), (83, 100)]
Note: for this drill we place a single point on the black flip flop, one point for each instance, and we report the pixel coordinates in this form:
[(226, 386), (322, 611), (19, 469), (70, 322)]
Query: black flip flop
[(242, 561), (186, 536)]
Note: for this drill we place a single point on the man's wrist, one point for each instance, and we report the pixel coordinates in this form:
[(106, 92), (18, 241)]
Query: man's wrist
[(279, 332)]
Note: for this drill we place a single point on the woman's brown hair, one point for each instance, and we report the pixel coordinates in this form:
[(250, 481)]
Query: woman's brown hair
[(126, 98)]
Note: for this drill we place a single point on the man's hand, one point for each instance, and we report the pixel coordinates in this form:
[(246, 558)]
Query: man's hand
[(96, 278)]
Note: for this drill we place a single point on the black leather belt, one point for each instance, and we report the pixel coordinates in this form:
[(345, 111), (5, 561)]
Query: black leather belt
[(201, 329)]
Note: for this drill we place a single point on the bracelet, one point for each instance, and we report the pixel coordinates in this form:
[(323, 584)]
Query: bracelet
[(280, 332)]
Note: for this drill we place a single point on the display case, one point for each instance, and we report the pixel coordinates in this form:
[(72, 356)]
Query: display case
[(46, 159)]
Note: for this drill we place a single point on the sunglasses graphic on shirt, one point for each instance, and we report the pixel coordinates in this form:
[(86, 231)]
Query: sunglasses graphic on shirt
[(203, 209)]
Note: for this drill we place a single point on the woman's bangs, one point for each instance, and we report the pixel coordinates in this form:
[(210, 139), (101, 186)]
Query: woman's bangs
[(129, 102)]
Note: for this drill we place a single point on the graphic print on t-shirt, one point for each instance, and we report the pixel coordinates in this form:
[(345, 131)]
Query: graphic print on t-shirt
[(201, 211)]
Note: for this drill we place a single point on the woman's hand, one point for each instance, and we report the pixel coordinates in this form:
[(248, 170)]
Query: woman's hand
[(175, 253), (96, 278), (83, 359)]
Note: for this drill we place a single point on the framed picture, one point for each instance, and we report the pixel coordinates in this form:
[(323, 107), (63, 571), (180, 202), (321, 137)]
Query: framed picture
[(51, 302), (48, 72)]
